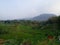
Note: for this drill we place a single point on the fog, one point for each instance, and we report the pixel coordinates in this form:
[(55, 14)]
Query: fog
[(18, 9)]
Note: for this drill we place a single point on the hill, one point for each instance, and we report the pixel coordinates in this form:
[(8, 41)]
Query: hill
[(43, 17)]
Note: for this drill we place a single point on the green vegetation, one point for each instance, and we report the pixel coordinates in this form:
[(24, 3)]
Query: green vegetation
[(30, 32)]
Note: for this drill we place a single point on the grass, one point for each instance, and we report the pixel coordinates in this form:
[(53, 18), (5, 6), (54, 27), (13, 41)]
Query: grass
[(21, 32)]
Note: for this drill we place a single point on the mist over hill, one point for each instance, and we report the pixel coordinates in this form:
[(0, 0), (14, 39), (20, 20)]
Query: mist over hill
[(43, 17)]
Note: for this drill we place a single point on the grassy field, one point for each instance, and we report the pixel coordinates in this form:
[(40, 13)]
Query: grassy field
[(20, 34)]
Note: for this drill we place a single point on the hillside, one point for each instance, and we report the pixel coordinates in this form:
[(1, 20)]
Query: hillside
[(43, 17)]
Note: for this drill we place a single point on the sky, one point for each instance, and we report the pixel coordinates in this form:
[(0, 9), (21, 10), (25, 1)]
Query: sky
[(18, 9)]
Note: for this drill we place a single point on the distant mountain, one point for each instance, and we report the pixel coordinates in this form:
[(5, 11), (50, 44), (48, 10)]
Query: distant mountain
[(43, 17)]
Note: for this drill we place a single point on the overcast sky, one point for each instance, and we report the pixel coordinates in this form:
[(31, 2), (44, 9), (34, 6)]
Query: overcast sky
[(18, 9)]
